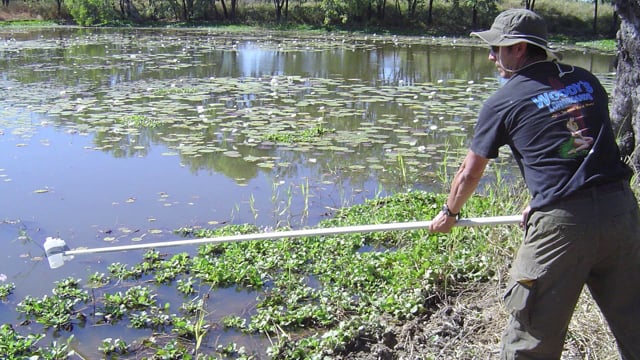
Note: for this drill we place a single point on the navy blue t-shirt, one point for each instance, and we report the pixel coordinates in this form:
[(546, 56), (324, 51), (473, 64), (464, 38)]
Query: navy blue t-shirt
[(555, 119)]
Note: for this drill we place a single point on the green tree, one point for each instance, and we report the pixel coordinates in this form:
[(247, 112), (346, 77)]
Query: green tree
[(477, 6), (90, 12), (335, 11)]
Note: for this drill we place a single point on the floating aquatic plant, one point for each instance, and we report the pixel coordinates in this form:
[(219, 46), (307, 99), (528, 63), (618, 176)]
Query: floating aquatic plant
[(138, 121), (6, 290), (303, 135)]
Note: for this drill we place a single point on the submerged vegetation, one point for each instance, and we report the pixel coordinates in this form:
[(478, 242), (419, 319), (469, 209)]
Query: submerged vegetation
[(315, 295)]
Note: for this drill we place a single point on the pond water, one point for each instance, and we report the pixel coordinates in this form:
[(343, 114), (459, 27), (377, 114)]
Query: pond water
[(119, 136)]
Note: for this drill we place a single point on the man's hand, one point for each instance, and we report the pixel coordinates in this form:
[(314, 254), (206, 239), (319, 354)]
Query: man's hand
[(525, 217), (462, 187), (442, 223)]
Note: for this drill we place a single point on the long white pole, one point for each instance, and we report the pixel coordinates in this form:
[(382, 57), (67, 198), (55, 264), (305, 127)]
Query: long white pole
[(495, 220)]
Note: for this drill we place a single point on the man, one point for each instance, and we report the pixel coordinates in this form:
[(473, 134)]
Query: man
[(582, 225)]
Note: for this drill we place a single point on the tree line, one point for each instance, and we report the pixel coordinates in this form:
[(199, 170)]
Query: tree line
[(311, 12), (447, 16)]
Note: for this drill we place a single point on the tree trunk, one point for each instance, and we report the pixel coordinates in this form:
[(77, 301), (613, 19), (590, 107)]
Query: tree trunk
[(412, 9), (215, 9), (530, 4), (185, 11), (224, 9), (120, 8), (409, 7), (278, 5), (625, 107), (381, 5), (474, 15), (595, 16)]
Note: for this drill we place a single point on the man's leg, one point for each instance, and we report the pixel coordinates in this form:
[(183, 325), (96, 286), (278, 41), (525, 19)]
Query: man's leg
[(615, 280), (548, 275)]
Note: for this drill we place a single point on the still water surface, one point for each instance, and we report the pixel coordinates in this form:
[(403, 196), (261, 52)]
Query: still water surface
[(114, 137)]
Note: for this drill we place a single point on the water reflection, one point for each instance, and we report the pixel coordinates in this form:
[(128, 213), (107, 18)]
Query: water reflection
[(131, 55), (212, 97)]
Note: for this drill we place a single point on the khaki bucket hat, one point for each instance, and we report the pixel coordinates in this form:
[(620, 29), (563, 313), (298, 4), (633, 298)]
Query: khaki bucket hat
[(515, 26)]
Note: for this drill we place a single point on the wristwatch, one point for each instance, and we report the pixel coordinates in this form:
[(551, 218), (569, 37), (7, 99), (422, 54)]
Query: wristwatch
[(445, 209)]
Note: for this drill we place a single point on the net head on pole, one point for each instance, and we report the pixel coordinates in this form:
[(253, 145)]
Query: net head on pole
[(54, 249)]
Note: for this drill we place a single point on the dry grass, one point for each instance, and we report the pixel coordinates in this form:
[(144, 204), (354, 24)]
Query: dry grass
[(589, 336), (570, 17), (470, 325)]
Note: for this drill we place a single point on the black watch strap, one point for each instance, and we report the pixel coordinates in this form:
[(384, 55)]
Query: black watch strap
[(445, 209)]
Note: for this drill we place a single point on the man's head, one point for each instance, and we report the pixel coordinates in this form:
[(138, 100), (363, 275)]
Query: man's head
[(517, 37), (514, 26)]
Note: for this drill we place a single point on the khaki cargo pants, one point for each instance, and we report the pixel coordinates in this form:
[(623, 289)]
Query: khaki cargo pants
[(591, 239)]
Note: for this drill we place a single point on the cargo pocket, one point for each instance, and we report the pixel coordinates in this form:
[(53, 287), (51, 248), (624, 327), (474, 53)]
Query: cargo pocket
[(519, 299)]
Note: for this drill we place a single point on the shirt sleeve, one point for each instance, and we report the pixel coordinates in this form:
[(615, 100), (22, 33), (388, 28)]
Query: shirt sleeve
[(489, 134)]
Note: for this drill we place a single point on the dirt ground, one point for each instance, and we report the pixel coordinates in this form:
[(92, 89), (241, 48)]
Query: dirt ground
[(469, 326)]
